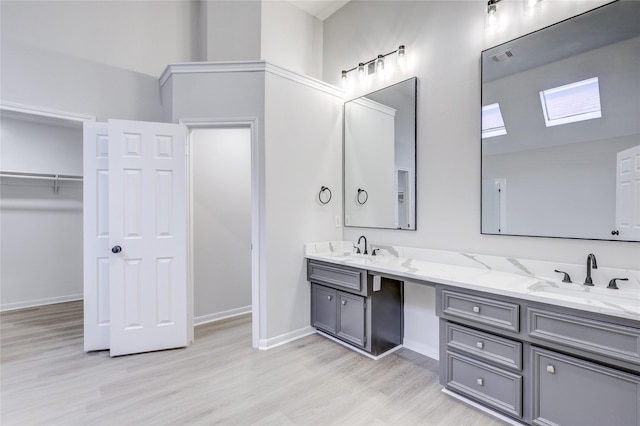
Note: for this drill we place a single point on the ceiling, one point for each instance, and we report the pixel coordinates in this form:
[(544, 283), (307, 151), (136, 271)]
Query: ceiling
[(321, 9)]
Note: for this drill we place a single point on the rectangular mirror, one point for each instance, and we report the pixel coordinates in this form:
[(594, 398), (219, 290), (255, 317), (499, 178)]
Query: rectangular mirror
[(380, 158), (561, 129)]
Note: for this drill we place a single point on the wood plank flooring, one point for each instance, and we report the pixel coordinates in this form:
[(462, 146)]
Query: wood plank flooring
[(47, 379)]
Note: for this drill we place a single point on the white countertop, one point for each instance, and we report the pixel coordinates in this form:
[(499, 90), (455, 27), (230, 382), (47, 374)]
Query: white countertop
[(623, 303)]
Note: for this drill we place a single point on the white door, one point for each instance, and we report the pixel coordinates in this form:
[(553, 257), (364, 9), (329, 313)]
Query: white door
[(145, 258), (628, 195), (96, 236)]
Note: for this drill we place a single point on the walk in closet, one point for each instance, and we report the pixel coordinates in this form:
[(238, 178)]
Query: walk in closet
[(40, 208)]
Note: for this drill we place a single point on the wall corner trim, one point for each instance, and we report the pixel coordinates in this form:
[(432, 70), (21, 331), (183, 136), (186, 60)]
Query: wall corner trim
[(248, 66)]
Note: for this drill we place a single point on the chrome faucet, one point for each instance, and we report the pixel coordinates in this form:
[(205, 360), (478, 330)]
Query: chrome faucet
[(365, 243), (591, 262)]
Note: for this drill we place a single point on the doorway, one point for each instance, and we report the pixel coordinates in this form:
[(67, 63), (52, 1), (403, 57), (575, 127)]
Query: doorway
[(220, 221), (237, 140)]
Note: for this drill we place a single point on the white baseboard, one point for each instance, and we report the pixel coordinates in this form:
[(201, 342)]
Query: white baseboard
[(482, 408), (39, 302), (266, 344), (221, 315), (421, 348)]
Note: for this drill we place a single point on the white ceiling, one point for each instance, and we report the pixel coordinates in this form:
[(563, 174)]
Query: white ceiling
[(321, 9)]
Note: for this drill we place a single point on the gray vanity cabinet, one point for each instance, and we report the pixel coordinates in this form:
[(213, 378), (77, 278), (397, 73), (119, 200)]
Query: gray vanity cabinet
[(539, 363), (346, 304), (571, 391)]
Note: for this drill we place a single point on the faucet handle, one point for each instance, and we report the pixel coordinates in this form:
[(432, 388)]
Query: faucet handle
[(566, 278), (612, 284)]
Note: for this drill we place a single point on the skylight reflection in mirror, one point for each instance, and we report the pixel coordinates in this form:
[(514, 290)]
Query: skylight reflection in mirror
[(492, 122), (572, 102)]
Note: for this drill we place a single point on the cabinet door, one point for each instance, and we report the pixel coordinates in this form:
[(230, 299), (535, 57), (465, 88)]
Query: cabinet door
[(569, 391), (323, 308), (351, 318)]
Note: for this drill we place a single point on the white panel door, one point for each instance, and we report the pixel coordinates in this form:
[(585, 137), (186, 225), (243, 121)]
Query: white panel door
[(147, 224), (96, 236), (628, 195)]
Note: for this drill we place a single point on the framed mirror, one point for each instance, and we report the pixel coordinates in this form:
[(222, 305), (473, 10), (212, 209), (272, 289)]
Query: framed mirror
[(561, 129), (380, 158)]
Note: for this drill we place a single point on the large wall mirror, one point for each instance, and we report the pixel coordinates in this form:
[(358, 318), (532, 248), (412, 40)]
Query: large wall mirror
[(380, 158), (561, 129)]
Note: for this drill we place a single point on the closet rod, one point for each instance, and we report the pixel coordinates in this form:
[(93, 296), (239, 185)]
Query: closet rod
[(29, 175), (46, 176)]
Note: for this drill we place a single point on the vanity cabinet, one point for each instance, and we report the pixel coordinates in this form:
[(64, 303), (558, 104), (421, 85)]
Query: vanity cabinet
[(540, 364), (348, 305), (571, 391)]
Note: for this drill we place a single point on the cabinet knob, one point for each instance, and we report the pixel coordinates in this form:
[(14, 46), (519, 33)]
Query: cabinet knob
[(476, 309), (344, 302), (329, 297), (479, 345), (480, 382), (551, 369), (116, 249)]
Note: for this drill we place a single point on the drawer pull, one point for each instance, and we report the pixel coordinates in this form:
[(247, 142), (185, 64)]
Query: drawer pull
[(551, 369), (480, 345), (344, 302), (476, 309), (480, 382), (329, 297)]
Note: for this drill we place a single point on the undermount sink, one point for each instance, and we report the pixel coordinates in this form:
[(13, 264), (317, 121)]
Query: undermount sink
[(604, 295)]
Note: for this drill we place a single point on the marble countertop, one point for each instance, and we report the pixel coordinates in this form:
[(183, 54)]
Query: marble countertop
[(623, 303)]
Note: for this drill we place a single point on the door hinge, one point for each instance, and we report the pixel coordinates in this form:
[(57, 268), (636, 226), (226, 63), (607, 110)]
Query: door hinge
[(364, 340), (365, 305)]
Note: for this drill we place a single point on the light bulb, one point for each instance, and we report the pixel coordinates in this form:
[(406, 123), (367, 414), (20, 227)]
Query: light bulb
[(493, 20), (380, 63)]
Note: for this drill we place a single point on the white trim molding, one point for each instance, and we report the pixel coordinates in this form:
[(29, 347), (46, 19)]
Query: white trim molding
[(273, 342), (248, 66), (34, 112), (40, 302), (218, 316)]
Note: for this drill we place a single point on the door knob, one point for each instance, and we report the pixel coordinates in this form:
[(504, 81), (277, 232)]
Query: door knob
[(116, 249)]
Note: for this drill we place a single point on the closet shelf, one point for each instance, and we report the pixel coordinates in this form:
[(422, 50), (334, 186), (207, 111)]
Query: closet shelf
[(56, 178)]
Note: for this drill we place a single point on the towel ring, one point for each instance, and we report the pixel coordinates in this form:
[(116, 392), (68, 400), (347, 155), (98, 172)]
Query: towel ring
[(362, 196), (322, 191)]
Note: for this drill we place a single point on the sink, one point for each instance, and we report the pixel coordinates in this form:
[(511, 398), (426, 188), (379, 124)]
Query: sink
[(604, 295)]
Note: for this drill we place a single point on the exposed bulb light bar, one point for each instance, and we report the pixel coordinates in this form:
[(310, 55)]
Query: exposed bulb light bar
[(377, 63)]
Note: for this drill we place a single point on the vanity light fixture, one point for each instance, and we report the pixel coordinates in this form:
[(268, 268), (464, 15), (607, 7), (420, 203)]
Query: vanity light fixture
[(493, 20), (377, 63)]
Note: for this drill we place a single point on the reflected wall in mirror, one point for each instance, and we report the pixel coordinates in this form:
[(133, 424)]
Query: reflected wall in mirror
[(561, 129), (380, 158)]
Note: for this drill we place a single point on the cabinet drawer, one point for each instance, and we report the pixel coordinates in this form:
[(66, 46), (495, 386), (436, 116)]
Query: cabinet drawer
[(337, 276), (611, 340), (502, 315), (484, 345), (569, 391), (492, 386)]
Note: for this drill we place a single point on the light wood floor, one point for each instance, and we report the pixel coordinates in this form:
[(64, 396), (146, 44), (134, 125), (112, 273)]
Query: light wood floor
[(47, 379)]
